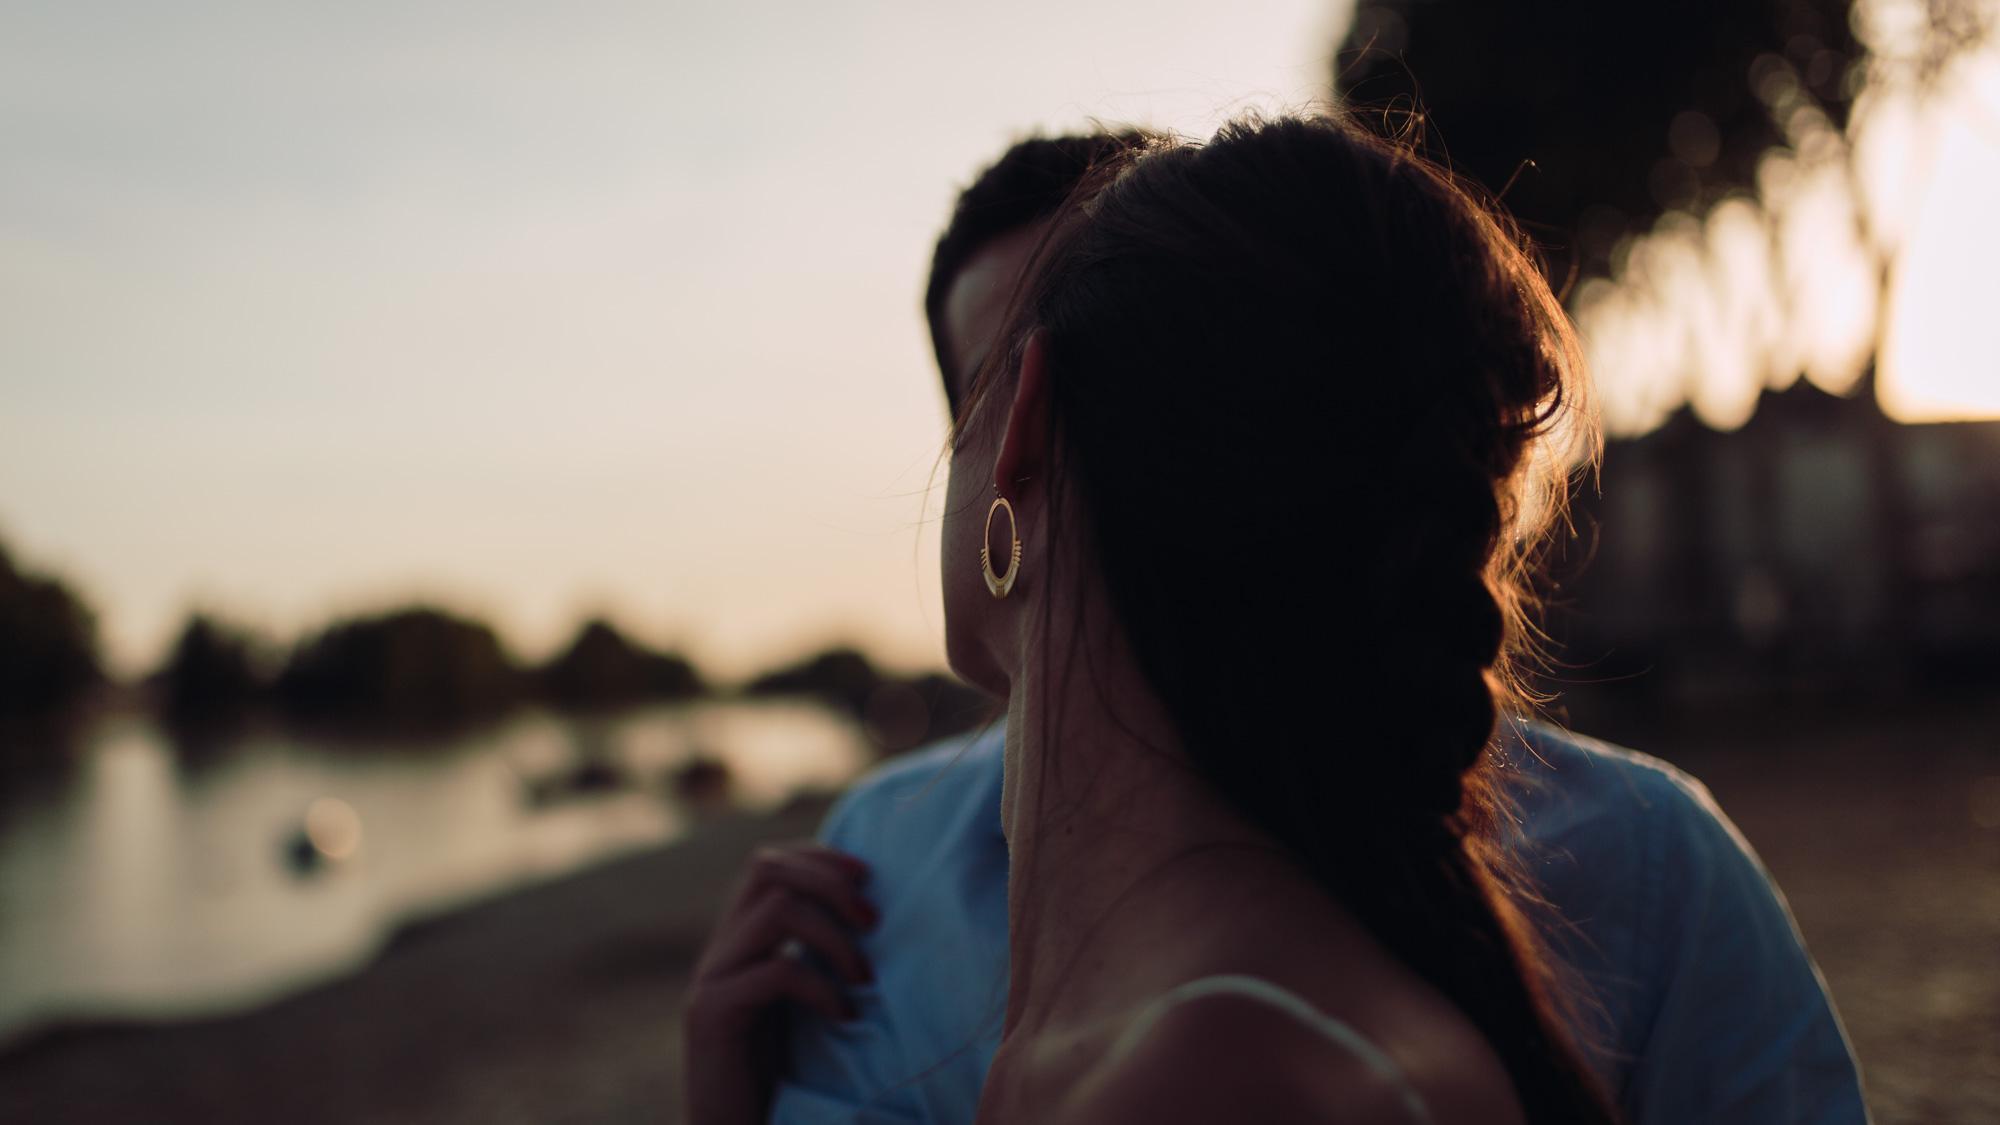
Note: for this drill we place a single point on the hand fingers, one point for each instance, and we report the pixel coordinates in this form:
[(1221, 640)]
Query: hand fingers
[(818, 851), (732, 1003), (782, 917), (830, 878)]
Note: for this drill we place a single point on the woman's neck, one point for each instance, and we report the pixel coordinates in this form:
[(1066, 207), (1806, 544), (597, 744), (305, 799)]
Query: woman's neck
[(1115, 844)]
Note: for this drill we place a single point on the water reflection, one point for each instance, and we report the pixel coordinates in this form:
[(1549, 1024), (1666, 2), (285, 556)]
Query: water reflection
[(126, 836), (150, 884)]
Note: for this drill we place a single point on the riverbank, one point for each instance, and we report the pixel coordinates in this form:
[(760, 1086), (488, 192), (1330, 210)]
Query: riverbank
[(557, 1002), (560, 1002)]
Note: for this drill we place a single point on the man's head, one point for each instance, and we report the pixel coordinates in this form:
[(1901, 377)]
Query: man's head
[(993, 233)]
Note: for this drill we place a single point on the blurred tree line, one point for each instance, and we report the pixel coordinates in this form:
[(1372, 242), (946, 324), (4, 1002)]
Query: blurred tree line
[(424, 667), (417, 666), (898, 713), (48, 644)]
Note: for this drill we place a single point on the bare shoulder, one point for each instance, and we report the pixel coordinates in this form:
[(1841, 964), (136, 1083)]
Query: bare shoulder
[(1230, 1057)]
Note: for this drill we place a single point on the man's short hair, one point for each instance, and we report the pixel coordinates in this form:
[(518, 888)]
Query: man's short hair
[(1030, 182)]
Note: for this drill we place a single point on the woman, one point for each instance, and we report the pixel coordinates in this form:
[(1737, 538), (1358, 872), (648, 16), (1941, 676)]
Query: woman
[(1268, 431), (1268, 427)]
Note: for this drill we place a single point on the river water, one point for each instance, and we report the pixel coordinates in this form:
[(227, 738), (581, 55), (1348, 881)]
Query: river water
[(148, 880)]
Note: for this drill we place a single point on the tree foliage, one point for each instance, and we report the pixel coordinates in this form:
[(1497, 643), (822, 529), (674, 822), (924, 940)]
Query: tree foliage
[(603, 668), (212, 670), (1591, 119), (48, 643), (419, 665)]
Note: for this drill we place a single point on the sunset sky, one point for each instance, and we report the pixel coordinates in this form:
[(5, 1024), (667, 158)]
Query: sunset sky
[(543, 310)]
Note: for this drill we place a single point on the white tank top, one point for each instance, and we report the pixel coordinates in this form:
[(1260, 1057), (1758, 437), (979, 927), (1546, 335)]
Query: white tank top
[(1256, 988)]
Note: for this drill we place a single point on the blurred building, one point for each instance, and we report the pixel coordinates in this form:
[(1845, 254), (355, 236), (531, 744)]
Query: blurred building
[(1822, 548)]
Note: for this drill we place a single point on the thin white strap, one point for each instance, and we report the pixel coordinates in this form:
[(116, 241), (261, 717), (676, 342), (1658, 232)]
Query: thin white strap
[(1257, 988)]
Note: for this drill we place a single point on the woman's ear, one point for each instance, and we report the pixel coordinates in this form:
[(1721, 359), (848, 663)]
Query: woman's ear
[(1025, 444)]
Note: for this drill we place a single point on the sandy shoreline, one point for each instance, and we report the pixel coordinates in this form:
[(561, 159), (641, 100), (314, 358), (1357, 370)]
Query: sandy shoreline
[(558, 1002)]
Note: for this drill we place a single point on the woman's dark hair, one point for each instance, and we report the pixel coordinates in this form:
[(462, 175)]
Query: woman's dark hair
[(1307, 391)]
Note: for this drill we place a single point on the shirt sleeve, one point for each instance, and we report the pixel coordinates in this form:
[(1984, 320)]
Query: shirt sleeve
[(1741, 1027), (836, 1072)]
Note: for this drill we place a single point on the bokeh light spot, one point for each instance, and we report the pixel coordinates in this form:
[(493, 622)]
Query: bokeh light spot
[(333, 827)]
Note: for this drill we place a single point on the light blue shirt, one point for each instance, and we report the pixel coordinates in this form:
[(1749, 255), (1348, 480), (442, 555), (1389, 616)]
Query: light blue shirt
[(1713, 1010)]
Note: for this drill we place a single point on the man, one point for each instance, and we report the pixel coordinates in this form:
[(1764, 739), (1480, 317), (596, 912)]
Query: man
[(1711, 1010)]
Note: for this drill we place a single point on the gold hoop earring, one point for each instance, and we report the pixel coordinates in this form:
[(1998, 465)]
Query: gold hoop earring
[(1000, 584)]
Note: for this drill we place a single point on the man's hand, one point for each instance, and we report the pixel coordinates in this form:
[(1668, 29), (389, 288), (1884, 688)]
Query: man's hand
[(795, 898)]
